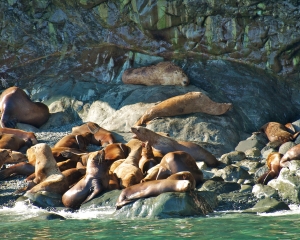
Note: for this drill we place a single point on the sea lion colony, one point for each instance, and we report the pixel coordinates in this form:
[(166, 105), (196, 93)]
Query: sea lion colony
[(149, 164)]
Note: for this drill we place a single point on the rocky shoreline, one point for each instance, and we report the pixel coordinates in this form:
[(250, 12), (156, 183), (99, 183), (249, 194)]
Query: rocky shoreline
[(230, 187)]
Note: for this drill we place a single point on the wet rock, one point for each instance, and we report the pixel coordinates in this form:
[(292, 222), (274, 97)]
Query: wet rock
[(47, 216), (264, 191), (236, 200), (42, 199), (171, 204), (287, 184), (267, 205), (220, 186)]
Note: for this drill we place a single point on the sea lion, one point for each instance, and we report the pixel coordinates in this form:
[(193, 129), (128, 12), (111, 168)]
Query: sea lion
[(147, 160), (59, 153), (113, 152), (16, 106), (93, 183), (273, 163), (8, 156), (278, 134), (174, 162), (128, 171), (80, 141), (291, 154), (184, 175), (100, 137), (151, 189), (163, 73), (26, 136), (48, 177), (192, 102), (13, 142), (166, 144)]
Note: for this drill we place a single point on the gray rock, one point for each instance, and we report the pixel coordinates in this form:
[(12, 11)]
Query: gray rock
[(47, 216), (232, 157), (285, 147), (287, 184), (249, 144), (253, 153), (232, 173), (264, 191), (249, 165), (267, 205), (266, 151), (220, 186), (171, 204), (42, 199)]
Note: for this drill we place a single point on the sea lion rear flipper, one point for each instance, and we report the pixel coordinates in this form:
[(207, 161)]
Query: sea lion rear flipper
[(267, 177)]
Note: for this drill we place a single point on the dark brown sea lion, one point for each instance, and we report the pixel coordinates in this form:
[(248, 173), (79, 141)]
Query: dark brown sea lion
[(48, 177), (151, 189), (173, 163), (11, 141), (273, 163), (192, 102), (278, 134), (147, 160), (163, 73), (166, 144), (128, 171), (292, 154), (22, 168), (16, 106), (26, 136), (80, 141), (93, 183), (100, 137), (59, 153)]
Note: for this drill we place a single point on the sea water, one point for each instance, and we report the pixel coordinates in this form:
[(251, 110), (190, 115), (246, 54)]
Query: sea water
[(20, 222)]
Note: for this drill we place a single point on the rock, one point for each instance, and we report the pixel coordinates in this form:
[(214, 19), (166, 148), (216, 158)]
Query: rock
[(47, 216), (253, 153), (249, 165), (232, 157), (249, 144), (259, 172), (245, 188), (264, 191), (287, 184), (42, 199), (220, 186), (285, 147), (232, 174), (267, 205), (266, 151), (165, 205), (236, 200)]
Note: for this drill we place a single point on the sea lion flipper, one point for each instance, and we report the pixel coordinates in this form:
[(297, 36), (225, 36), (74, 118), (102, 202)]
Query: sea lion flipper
[(96, 189), (93, 127)]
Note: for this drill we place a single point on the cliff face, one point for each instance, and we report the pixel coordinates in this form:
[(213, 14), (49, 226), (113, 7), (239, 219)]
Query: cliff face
[(245, 52), (93, 39)]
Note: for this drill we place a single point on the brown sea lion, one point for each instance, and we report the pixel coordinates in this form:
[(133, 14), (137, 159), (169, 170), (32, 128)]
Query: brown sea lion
[(93, 183), (166, 144), (16, 106), (278, 134), (151, 189), (292, 154), (184, 175), (73, 175), (59, 153), (26, 136), (80, 141), (48, 177), (13, 142), (192, 102), (8, 156), (175, 162), (163, 73), (273, 163), (100, 137), (128, 171), (147, 160)]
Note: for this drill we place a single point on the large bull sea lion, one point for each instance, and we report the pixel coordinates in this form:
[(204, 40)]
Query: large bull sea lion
[(166, 144), (16, 106)]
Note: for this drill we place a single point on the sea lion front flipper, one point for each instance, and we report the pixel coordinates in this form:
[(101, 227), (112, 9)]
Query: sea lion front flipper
[(95, 190), (163, 173)]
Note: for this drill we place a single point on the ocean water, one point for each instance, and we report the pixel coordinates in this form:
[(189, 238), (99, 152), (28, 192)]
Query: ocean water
[(19, 223)]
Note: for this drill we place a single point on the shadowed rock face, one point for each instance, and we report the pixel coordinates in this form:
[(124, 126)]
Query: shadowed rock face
[(92, 39)]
